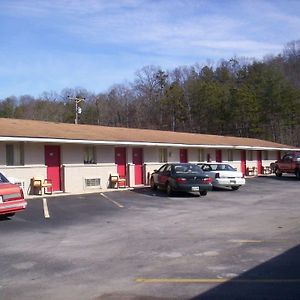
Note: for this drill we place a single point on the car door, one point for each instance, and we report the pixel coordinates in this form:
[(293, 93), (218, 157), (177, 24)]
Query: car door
[(286, 163), (157, 174), (163, 175)]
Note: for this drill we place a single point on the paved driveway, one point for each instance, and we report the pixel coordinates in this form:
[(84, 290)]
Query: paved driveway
[(144, 245)]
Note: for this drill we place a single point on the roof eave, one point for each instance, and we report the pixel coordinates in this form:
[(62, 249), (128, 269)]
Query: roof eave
[(141, 143)]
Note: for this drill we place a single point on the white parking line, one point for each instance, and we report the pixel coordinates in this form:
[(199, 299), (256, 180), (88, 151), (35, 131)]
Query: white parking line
[(113, 201), (46, 210), (246, 241)]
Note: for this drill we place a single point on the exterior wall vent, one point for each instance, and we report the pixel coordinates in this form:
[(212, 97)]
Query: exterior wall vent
[(90, 183)]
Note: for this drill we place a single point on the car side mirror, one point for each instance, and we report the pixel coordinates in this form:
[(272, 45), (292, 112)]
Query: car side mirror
[(155, 171)]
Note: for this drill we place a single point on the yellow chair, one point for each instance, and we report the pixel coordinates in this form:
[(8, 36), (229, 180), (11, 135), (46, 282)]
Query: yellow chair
[(116, 181), (39, 184)]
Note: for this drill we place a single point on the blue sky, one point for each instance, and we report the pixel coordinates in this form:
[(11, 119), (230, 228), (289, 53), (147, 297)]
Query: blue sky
[(93, 44)]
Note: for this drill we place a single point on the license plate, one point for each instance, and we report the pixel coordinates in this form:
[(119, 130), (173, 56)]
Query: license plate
[(232, 181), (195, 188)]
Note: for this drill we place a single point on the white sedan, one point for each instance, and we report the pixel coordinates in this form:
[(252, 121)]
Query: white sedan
[(223, 175)]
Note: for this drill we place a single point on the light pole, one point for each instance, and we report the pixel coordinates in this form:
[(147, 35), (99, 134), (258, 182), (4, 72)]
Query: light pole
[(77, 108)]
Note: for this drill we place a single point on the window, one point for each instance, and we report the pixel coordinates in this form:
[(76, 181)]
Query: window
[(287, 157), (162, 169), (15, 154), (201, 155), (265, 155), (89, 155), (187, 169), (163, 155), (250, 155), (230, 155)]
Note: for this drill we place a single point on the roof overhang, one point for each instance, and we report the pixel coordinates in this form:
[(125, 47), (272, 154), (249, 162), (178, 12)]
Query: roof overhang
[(129, 143)]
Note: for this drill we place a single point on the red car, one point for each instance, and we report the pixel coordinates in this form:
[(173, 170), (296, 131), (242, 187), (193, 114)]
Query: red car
[(11, 198)]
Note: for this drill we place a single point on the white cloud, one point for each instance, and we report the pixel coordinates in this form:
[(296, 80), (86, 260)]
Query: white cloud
[(120, 36)]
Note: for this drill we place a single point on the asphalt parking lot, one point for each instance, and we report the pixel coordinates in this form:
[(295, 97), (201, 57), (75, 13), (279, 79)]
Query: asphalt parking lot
[(144, 245)]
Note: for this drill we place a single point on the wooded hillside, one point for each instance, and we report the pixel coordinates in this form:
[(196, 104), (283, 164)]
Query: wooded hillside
[(239, 97)]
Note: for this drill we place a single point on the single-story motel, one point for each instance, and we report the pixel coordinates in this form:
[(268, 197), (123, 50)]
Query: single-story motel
[(82, 158)]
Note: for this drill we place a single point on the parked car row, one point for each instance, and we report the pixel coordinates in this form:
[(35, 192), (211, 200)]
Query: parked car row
[(172, 177), (195, 178)]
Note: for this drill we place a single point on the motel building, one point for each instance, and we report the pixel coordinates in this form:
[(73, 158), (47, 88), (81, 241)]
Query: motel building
[(87, 158)]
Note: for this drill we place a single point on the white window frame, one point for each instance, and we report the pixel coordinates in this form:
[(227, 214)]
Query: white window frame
[(16, 156), (229, 155), (265, 155), (201, 155), (163, 155), (89, 155), (249, 155)]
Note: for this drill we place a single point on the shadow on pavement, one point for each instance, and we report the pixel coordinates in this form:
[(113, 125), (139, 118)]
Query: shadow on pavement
[(278, 278), (161, 193), (285, 177)]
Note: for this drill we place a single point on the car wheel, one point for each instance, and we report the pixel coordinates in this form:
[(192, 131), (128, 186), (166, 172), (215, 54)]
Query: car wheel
[(203, 193), (169, 190), (278, 173), (152, 184), (235, 188), (298, 174), (9, 215)]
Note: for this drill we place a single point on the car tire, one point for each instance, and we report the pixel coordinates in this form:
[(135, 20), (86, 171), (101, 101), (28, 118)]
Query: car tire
[(9, 215), (169, 190), (203, 193), (235, 188), (278, 173), (152, 184), (298, 174)]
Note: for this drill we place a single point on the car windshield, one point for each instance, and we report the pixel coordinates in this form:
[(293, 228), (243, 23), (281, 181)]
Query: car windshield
[(218, 167), (187, 169), (3, 179)]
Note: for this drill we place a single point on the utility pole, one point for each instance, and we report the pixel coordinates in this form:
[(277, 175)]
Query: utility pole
[(77, 108)]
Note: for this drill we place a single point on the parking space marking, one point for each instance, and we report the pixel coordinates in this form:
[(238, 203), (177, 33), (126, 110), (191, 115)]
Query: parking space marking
[(246, 241), (113, 201), (46, 210), (213, 280)]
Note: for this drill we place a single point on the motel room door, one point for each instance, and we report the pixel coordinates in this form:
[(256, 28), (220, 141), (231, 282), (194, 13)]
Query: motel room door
[(259, 162), (218, 155), (52, 161), (120, 161), (183, 155), (137, 160), (243, 162)]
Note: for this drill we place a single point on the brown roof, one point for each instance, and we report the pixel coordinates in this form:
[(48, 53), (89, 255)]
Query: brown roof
[(41, 129)]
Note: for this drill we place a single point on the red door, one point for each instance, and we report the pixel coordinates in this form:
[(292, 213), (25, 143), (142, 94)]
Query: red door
[(259, 162), (52, 161), (218, 155), (183, 156), (137, 160), (243, 161), (208, 157), (120, 161)]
